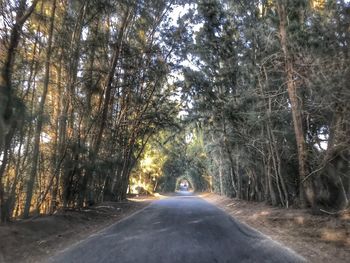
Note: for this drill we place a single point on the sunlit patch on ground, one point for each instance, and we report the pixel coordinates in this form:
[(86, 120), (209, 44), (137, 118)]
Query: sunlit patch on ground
[(237, 212), (299, 220), (332, 235), (346, 216), (264, 213), (260, 214), (142, 198)]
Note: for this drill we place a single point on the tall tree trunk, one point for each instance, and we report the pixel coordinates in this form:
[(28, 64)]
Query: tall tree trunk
[(221, 173), (39, 124), (306, 193), (239, 177), (5, 158), (66, 119), (56, 153)]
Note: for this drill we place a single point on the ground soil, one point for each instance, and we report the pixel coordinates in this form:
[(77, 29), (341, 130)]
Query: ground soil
[(318, 238), (33, 240)]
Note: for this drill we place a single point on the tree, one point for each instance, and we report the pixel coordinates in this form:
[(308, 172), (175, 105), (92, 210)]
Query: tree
[(40, 116)]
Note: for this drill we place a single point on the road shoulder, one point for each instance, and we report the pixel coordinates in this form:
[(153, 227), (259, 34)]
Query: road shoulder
[(34, 240), (318, 238)]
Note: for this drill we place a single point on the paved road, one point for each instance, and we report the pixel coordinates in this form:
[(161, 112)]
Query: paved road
[(178, 229)]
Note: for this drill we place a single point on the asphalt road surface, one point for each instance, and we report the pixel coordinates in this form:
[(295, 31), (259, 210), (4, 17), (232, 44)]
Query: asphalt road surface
[(180, 229)]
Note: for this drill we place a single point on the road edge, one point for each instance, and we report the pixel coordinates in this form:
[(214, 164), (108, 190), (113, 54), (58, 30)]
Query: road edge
[(303, 259)]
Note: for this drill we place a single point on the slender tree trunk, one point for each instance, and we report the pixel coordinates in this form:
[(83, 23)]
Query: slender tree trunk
[(269, 179), (66, 119), (57, 153), (274, 153), (239, 178), (39, 124), (221, 173), (3, 200)]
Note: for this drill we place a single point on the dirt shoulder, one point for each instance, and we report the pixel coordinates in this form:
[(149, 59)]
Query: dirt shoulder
[(318, 238), (33, 240)]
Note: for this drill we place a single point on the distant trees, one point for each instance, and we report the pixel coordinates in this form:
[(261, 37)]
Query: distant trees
[(183, 157), (268, 87)]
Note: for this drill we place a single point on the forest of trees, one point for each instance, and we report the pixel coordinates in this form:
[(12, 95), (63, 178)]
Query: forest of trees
[(270, 91), (251, 98), (83, 88)]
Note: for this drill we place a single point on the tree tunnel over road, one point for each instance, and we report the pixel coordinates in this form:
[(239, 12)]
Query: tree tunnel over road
[(195, 183), (183, 183)]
